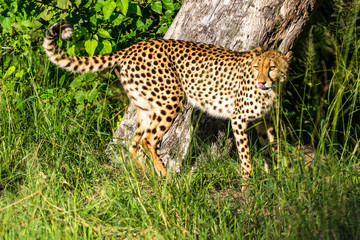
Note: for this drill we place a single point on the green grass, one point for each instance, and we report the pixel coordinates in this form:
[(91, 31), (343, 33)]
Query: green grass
[(56, 183)]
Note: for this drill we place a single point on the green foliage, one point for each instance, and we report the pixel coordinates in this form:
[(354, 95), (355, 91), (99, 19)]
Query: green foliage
[(103, 26), (323, 97)]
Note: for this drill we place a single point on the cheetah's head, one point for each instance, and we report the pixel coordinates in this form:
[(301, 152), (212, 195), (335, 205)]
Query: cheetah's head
[(270, 69)]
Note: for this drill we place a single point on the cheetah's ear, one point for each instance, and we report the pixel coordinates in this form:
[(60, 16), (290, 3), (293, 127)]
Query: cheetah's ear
[(257, 51), (288, 56)]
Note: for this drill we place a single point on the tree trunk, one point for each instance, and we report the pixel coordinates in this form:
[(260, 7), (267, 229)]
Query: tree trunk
[(234, 24)]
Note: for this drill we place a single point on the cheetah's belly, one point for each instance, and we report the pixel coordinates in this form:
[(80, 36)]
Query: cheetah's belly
[(220, 108)]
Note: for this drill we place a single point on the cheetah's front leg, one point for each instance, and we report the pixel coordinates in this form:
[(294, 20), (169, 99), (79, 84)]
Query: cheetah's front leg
[(266, 135), (239, 126)]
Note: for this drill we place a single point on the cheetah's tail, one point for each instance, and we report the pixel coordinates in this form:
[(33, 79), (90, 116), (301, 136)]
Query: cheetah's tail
[(74, 63)]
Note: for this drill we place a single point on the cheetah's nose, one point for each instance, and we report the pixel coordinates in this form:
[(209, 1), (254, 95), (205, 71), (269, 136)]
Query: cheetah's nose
[(262, 86)]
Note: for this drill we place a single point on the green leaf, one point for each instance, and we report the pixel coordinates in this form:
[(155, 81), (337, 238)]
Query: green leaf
[(119, 18), (148, 22), (134, 9), (6, 24), (123, 5), (80, 96), (162, 29), (46, 95), (10, 71), (20, 74), (103, 33), (77, 82), (106, 47), (77, 2), (47, 14), (156, 7), (93, 19), (71, 50), (168, 4), (108, 8), (140, 24), (92, 95), (62, 80), (88, 4), (168, 14), (98, 6), (79, 34), (90, 76), (90, 46), (64, 4)]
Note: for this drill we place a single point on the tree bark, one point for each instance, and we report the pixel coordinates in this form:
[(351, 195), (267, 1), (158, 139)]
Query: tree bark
[(235, 24)]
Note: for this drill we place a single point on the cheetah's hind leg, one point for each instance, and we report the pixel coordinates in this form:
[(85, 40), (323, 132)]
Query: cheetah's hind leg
[(161, 121), (143, 122)]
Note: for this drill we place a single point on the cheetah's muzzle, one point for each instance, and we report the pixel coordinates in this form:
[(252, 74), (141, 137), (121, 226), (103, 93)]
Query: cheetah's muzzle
[(262, 86)]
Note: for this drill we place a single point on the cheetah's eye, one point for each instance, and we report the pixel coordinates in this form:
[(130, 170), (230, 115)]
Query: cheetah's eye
[(272, 68), (256, 67)]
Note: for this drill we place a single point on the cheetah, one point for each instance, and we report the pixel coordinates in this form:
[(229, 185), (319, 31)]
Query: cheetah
[(159, 74)]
